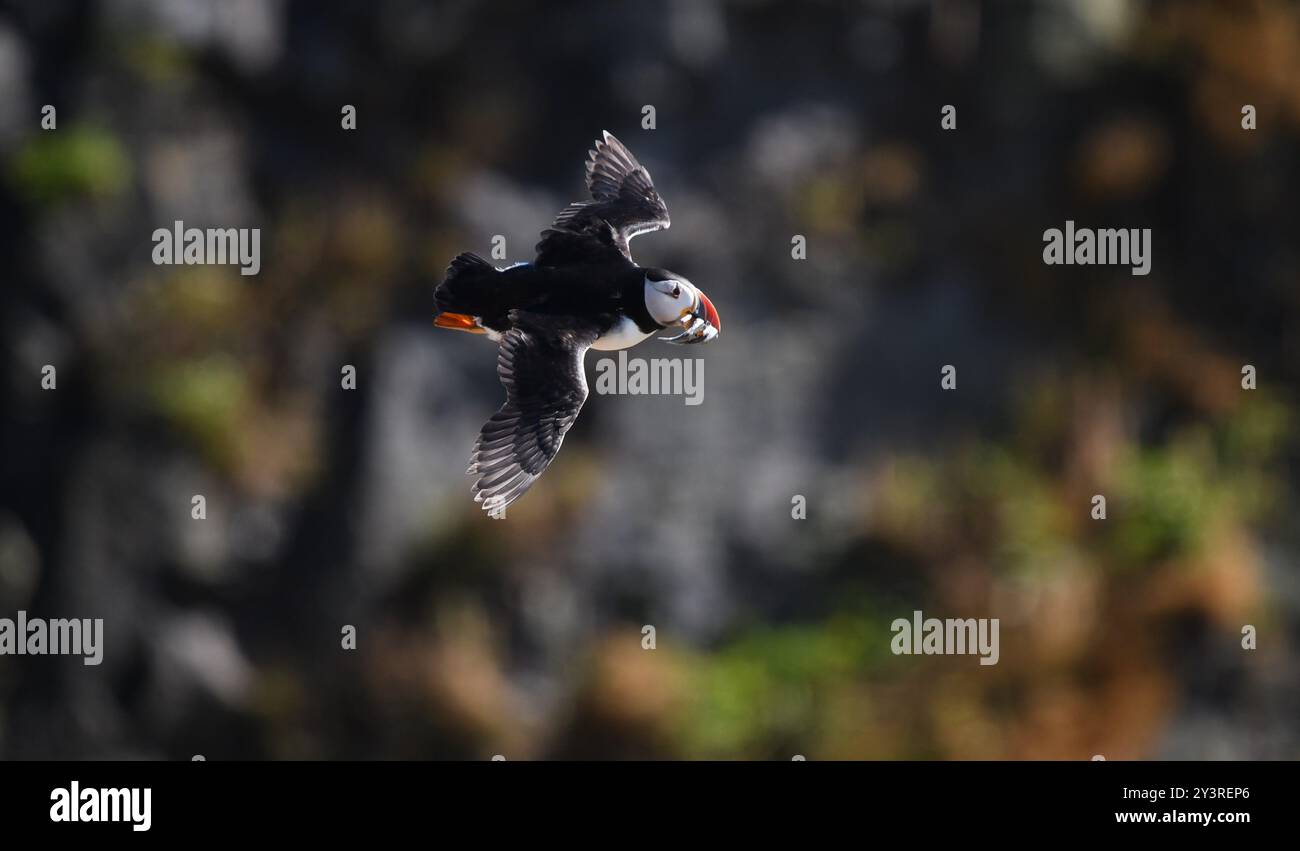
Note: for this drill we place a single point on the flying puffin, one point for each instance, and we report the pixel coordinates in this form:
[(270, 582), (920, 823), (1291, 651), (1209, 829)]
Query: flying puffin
[(583, 291)]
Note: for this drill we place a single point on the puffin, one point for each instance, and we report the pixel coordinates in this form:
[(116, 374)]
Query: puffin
[(582, 291)]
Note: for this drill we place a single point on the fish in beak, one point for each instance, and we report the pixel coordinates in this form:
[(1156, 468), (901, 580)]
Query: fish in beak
[(701, 323)]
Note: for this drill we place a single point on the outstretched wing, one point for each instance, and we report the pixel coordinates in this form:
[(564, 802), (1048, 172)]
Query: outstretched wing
[(540, 364), (624, 204)]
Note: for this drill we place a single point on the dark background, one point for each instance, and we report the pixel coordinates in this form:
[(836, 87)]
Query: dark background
[(522, 637)]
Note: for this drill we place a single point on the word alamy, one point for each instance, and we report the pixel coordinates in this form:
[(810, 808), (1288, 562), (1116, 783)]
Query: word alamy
[(651, 377), (950, 637), (182, 246), (92, 804), (59, 637), (1104, 247)]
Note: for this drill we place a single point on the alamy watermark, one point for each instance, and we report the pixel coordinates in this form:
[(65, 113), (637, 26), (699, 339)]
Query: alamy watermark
[(1102, 247), (651, 377), (948, 637), (75, 804), (24, 636), (182, 246)]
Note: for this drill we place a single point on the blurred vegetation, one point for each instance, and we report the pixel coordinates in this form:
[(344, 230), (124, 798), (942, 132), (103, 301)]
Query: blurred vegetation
[(66, 166)]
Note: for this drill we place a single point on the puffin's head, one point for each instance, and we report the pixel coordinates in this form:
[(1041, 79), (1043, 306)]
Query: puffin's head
[(674, 301)]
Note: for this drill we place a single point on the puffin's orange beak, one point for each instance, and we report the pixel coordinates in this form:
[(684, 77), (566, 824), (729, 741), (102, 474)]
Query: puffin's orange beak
[(711, 313)]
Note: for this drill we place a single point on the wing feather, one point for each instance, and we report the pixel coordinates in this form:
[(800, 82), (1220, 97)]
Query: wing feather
[(539, 363), (625, 204)]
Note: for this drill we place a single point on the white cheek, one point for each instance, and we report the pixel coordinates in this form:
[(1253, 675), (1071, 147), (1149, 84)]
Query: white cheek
[(664, 308), (654, 304)]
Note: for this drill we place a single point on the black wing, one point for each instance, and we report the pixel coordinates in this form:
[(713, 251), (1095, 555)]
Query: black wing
[(540, 365), (625, 204)]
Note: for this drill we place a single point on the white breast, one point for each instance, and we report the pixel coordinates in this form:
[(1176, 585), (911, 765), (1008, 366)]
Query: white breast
[(624, 335)]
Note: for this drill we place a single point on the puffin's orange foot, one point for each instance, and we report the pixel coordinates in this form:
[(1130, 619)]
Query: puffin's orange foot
[(458, 322)]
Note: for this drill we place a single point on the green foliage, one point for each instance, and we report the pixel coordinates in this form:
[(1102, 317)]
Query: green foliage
[(1171, 498), (203, 399), (64, 165), (773, 685)]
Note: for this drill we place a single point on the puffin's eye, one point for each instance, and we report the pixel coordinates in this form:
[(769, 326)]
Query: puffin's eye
[(677, 290)]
